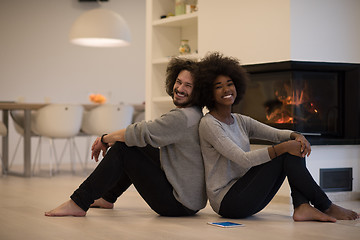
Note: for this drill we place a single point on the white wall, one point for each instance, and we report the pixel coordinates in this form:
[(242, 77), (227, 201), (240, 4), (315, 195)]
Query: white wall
[(260, 31), (38, 64), (37, 61), (255, 31), (325, 30)]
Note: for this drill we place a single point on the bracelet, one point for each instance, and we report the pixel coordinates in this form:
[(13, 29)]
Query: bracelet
[(102, 140), (274, 151)]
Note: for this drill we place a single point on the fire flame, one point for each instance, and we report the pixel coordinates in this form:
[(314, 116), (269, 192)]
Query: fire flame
[(289, 100)]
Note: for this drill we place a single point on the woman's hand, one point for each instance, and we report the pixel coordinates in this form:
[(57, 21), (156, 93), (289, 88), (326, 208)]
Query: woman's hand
[(293, 147), (305, 145), (96, 148)]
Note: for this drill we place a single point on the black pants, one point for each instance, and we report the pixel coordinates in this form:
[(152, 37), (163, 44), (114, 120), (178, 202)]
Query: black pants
[(123, 166), (253, 192)]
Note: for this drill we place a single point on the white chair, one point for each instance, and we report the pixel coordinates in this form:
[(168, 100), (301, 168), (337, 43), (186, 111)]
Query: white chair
[(58, 121), (105, 118)]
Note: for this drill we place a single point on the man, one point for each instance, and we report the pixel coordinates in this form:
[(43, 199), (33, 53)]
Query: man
[(173, 184)]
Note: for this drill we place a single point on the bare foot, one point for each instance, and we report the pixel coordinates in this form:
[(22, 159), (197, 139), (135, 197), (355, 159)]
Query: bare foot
[(68, 208), (341, 213), (305, 212), (102, 203)]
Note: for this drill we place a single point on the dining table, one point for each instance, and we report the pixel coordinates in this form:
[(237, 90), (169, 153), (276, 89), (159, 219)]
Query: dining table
[(6, 107)]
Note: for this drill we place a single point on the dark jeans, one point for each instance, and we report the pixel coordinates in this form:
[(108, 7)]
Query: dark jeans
[(123, 166), (253, 192)]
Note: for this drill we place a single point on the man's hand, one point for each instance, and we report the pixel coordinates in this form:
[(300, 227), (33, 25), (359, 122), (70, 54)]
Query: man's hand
[(96, 148)]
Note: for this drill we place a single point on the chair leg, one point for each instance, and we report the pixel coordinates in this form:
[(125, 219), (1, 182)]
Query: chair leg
[(71, 156), (54, 154), (15, 151), (57, 163), (82, 165), (53, 158), (88, 142), (63, 152), (37, 157), (74, 155), (54, 161), (67, 145)]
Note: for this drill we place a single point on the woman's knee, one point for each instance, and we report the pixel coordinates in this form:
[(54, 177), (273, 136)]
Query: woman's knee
[(236, 210), (173, 211), (288, 156), (236, 213), (292, 160)]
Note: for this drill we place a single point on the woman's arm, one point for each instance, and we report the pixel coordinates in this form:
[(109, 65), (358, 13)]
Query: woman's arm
[(292, 146), (299, 145), (216, 142)]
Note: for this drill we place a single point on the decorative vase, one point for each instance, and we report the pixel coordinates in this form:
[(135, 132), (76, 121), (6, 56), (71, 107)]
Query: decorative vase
[(180, 7), (184, 47)]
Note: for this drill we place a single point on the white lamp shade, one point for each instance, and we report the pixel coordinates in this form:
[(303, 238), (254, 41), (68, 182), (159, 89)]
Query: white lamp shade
[(100, 28)]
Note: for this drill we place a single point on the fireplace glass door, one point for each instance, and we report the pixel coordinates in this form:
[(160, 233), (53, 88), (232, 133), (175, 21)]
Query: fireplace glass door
[(304, 101)]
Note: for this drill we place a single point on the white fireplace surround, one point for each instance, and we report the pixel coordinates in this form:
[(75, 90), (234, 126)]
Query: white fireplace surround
[(330, 156)]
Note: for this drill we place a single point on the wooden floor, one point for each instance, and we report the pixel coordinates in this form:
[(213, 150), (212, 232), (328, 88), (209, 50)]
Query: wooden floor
[(24, 200)]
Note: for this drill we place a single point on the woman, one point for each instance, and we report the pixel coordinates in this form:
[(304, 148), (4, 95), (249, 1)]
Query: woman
[(241, 182)]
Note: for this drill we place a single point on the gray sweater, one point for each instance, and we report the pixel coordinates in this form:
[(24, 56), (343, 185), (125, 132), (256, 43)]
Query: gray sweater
[(177, 135), (226, 151)]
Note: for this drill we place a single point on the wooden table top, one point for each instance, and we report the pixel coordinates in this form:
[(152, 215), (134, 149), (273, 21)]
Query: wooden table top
[(35, 106), (19, 106)]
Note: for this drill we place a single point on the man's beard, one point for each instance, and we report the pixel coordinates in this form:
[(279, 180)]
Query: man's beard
[(181, 104)]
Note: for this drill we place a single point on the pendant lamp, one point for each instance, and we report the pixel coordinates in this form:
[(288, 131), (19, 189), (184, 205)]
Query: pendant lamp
[(100, 28)]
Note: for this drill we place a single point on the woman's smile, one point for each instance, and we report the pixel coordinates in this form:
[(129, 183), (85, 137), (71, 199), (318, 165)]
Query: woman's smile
[(224, 90), (228, 96)]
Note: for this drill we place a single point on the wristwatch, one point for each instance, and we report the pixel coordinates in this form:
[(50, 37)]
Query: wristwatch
[(102, 140)]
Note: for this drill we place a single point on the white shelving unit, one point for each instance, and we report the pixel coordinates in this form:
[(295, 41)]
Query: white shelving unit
[(162, 43)]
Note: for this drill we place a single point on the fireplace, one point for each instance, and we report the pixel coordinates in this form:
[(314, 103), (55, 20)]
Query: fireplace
[(320, 100)]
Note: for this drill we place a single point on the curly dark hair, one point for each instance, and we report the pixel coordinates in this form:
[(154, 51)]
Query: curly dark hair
[(175, 66), (216, 64)]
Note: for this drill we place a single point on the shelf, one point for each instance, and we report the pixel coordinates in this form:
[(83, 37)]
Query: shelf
[(177, 21), (162, 100), (165, 60), (163, 41)]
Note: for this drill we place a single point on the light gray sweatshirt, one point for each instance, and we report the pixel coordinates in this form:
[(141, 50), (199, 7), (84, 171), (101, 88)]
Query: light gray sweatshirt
[(177, 135), (226, 151)]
